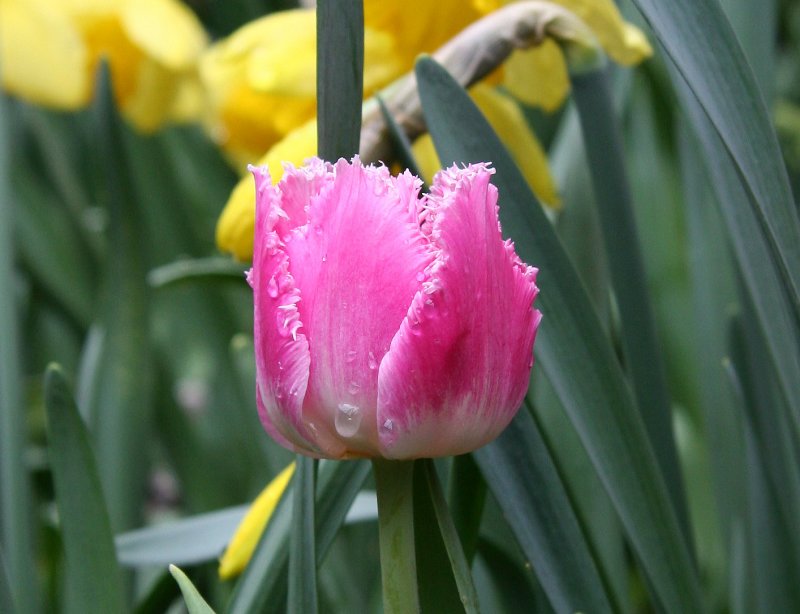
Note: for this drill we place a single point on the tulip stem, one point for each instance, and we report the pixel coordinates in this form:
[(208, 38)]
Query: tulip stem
[(394, 486)]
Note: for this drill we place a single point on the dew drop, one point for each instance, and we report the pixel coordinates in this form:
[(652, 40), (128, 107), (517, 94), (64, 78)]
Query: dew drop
[(272, 287), (372, 362), (388, 425), (348, 419), (351, 356), (354, 387)]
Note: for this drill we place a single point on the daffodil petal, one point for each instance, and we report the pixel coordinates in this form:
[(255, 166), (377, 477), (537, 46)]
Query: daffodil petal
[(538, 76), (237, 222), (166, 30), (42, 57), (240, 549)]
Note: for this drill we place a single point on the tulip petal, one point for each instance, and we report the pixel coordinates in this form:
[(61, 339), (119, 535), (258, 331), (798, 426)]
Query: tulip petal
[(356, 261), (459, 365), (282, 356)]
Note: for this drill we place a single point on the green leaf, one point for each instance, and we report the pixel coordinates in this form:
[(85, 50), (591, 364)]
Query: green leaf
[(302, 545), (340, 77), (117, 397), (264, 580), (6, 597), (192, 540), (572, 349), (604, 148), (452, 542), (466, 497), (699, 40), (772, 306), (92, 575), (199, 269), (191, 597), (402, 146), (520, 472), (159, 597), (15, 508)]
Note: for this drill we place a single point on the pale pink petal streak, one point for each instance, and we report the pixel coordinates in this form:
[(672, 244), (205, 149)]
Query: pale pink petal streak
[(459, 365)]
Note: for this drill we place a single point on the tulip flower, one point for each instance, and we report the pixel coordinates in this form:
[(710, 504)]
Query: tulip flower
[(387, 324), (49, 53)]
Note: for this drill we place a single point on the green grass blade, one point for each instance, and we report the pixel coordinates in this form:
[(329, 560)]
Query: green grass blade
[(772, 306), (573, 350), (466, 491), (16, 532), (199, 269), (604, 148), (264, 580), (455, 553), (302, 546), (520, 472), (92, 574), (117, 400), (6, 598), (700, 41), (194, 601), (340, 85)]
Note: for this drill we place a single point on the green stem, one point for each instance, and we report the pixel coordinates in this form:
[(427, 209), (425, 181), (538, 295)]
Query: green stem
[(394, 486)]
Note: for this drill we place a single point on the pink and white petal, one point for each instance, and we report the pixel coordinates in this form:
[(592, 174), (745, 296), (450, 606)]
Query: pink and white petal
[(297, 187), (282, 356), (459, 366), (357, 262)]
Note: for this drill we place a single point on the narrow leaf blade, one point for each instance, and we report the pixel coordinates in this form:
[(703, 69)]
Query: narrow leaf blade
[(572, 349), (92, 572)]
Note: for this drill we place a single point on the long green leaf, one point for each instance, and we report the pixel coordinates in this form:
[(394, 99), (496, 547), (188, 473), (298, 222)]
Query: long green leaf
[(15, 511), (604, 148), (466, 491), (191, 596), (92, 575), (196, 270), (573, 349), (264, 579), (452, 542), (763, 281), (303, 544), (700, 41), (117, 400), (521, 474), (340, 84), (6, 597)]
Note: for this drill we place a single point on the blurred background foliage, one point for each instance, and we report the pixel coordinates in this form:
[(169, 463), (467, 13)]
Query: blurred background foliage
[(110, 268)]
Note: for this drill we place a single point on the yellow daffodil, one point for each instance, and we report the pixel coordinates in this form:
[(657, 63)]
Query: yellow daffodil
[(261, 80), (49, 53), (244, 541), (538, 76)]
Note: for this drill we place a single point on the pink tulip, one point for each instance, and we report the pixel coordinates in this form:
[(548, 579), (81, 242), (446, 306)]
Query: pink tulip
[(387, 324)]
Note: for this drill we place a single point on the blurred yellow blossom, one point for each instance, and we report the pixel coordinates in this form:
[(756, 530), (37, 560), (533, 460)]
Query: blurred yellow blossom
[(49, 53), (261, 80), (244, 541), (538, 76)]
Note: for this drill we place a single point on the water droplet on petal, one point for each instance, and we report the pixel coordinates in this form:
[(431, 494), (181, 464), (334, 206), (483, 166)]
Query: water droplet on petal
[(272, 287), (372, 362), (348, 419), (354, 387), (388, 425), (351, 356)]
